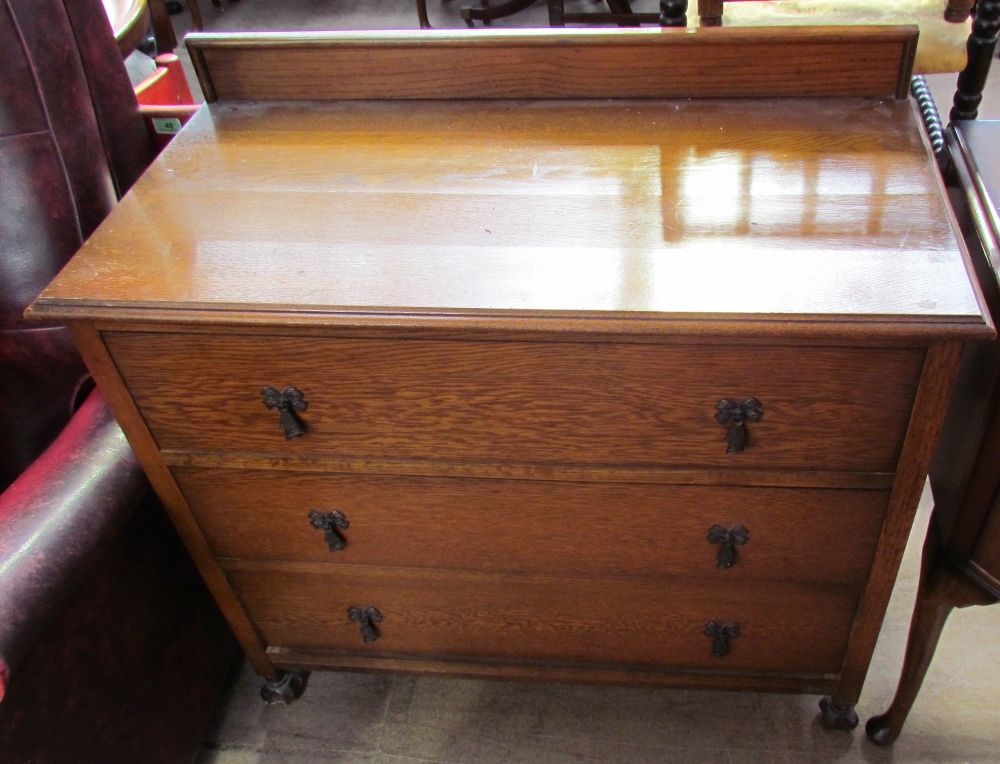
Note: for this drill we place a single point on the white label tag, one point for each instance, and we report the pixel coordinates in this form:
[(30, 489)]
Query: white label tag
[(166, 125)]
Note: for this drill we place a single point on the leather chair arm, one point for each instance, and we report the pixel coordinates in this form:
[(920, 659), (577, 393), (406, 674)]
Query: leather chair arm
[(56, 519)]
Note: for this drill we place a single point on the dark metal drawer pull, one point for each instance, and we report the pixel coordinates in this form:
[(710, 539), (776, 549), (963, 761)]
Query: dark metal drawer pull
[(287, 402), (332, 523), (737, 415), (721, 632), (730, 538), (367, 617)]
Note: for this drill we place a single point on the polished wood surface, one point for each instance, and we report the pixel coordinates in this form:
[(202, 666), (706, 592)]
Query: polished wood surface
[(676, 217), (539, 527), (785, 628), (539, 402), (622, 473), (519, 63), (516, 319)]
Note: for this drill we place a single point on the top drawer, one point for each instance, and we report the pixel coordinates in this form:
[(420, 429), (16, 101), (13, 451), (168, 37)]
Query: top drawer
[(527, 402)]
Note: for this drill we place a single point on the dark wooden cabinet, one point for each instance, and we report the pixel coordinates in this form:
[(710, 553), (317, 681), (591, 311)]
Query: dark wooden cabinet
[(964, 474), (961, 561)]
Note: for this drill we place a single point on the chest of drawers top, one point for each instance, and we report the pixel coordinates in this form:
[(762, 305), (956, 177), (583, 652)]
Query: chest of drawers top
[(797, 216)]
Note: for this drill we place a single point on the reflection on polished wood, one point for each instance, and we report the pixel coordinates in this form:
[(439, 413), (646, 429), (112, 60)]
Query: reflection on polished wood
[(676, 210)]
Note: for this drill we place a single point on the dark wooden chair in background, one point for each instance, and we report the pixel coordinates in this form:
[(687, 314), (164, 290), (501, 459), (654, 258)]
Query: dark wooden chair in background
[(671, 13), (163, 28)]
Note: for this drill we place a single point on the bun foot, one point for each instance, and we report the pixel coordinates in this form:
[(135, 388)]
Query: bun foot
[(286, 688), (837, 717), (880, 731)]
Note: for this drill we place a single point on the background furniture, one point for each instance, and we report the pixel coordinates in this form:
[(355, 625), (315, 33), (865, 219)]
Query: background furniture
[(129, 22), (195, 9), (163, 28), (961, 562), (945, 44), (476, 437), (165, 99), (980, 47), (110, 649)]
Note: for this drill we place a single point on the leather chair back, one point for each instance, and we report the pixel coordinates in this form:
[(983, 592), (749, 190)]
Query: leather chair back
[(72, 142)]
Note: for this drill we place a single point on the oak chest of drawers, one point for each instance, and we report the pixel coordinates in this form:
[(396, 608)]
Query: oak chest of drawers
[(614, 391)]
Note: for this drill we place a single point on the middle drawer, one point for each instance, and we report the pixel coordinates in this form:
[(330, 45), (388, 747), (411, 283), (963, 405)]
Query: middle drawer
[(809, 535)]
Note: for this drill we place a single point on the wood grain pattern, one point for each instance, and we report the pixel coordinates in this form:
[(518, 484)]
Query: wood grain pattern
[(581, 673), (940, 370), (523, 526), (696, 217), (785, 627), (741, 62), (91, 346), (523, 402), (720, 476)]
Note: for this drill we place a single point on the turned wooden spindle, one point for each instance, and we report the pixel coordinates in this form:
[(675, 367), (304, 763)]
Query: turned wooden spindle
[(673, 13), (958, 11), (710, 13), (981, 45)]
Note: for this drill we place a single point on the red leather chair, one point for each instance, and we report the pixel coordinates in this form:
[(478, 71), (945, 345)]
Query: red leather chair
[(111, 650)]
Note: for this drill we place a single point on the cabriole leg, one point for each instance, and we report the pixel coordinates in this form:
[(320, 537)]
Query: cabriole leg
[(942, 588)]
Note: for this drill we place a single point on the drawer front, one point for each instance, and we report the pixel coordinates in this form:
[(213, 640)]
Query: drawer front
[(782, 627), (527, 402), (537, 527)]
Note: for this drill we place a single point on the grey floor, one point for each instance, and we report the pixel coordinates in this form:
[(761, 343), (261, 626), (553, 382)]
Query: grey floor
[(377, 719)]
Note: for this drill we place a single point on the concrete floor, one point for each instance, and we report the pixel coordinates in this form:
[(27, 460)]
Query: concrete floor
[(379, 719)]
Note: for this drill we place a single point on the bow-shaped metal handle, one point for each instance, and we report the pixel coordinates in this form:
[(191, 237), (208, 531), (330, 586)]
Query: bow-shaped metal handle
[(730, 412), (730, 538), (367, 617), (332, 523), (721, 632), (287, 402)]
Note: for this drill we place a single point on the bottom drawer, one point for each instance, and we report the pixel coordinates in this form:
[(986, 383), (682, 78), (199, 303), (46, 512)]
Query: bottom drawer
[(795, 628)]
